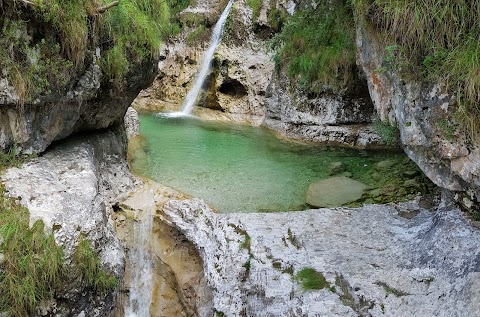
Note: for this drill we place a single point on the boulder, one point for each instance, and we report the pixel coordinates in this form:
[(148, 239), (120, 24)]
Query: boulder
[(334, 192)]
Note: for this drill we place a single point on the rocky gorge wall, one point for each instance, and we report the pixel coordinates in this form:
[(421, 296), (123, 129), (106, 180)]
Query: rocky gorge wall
[(91, 104), (245, 86), (422, 111)]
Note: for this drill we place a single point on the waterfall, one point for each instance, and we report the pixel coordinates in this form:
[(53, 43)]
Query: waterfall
[(207, 59), (140, 291)]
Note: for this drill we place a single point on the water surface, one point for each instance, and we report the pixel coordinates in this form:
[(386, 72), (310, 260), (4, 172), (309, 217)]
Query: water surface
[(240, 168)]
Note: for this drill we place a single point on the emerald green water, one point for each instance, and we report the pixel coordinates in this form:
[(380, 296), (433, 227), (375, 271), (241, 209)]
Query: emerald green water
[(240, 168)]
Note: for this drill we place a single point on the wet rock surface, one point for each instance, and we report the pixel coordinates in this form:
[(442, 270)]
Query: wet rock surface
[(423, 264), (177, 286)]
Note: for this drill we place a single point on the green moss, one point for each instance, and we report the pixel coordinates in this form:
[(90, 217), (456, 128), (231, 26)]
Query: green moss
[(316, 47), (310, 279), (199, 34), (390, 290), (247, 242)]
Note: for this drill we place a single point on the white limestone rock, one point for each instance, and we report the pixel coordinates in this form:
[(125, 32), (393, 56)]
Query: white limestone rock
[(379, 263)]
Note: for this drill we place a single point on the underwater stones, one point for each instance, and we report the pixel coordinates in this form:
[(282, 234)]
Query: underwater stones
[(337, 168), (334, 192), (385, 165)]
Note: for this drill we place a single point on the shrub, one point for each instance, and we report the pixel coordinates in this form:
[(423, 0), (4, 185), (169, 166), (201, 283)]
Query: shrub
[(387, 131), (316, 46)]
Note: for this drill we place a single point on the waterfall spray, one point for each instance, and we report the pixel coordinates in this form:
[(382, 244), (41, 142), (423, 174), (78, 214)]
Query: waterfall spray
[(207, 59)]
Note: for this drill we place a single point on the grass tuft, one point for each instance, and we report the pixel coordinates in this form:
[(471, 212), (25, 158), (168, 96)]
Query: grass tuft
[(33, 265), (256, 6), (90, 269)]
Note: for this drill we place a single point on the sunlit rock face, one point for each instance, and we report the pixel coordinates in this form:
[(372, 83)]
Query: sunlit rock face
[(410, 259)]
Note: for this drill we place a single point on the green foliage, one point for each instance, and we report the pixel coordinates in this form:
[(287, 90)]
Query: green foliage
[(316, 46), (310, 279), (89, 267), (199, 34), (33, 265), (256, 6), (441, 38), (8, 158), (387, 131), (135, 28), (33, 68), (276, 19), (41, 41)]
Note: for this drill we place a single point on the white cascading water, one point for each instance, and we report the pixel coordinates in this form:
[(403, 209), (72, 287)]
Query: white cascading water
[(141, 268), (207, 59)]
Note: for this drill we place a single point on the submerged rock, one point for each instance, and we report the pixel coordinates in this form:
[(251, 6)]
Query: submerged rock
[(337, 168), (334, 192), (425, 264)]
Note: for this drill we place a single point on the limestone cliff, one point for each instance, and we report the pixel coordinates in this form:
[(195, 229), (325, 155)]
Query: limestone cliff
[(71, 188), (422, 111)]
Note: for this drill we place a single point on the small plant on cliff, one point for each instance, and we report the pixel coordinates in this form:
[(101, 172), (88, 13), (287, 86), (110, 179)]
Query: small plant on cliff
[(89, 267), (316, 46), (256, 6), (32, 265), (310, 279), (387, 131)]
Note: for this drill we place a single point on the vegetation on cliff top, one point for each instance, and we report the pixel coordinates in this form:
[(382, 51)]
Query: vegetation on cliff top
[(42, 40), (434, 40), (316, 47)]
